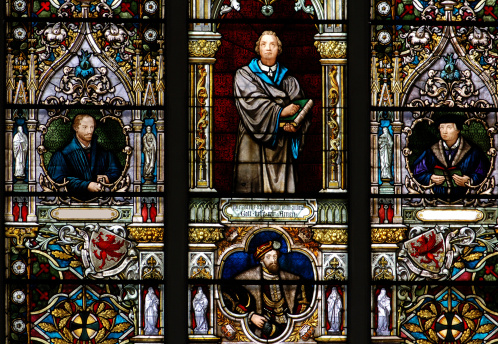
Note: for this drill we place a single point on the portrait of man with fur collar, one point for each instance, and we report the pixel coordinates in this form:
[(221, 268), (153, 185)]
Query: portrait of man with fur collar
[(453, 164)]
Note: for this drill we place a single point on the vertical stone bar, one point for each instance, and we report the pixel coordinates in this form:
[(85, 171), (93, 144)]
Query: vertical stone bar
[(137, 131), (202, 48), (332, 48), (9, 127)]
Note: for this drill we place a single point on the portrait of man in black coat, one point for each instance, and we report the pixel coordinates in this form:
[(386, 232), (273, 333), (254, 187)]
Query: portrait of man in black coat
[(83, 163)]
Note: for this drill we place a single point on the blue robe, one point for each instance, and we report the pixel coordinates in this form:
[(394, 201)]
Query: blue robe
[(72, 164), (467, 159)]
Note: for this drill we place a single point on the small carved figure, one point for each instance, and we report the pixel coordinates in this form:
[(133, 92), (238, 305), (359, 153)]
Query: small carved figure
[(383, 313), (386, 154), (334, 304), (149, 149), (20, 148), (151, 313), (200, 304)]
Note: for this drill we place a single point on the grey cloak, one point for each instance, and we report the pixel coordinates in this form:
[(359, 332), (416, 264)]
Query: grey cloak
[(264, 152)]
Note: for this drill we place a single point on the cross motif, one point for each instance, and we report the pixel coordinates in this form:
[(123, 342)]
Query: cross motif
[(151, 261), (84, 326), (383, 262), (201, 261), (334, 263), (449, 327)]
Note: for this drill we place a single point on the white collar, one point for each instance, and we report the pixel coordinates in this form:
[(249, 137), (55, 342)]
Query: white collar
[(266, 68), (269, 276), (457, 143), (83, 146)]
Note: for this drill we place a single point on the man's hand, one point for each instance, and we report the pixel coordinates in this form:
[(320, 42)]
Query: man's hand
[(289, 110), (460, 180), (438, 180), (102, 178), (290, 128), (94, 187), (258, 320)]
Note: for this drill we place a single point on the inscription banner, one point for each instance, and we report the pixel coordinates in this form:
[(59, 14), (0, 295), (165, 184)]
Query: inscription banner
[(243, 210)]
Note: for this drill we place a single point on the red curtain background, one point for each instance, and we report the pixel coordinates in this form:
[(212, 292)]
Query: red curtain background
[(299, 56)]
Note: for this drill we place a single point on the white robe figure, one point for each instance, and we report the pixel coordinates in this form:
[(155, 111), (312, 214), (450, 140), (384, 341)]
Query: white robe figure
[(149, 149), (334, 304), (383, 313), (151, 313), (386, 154), (20, 149), (200, 304)]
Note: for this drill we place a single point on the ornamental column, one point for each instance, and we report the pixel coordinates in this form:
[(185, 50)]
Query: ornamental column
[(332, 49), (202, 47)]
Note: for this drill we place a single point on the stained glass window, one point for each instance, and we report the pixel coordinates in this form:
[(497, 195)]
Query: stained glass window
[(82, 267), (433, 129), (84, 177), (268, 213)]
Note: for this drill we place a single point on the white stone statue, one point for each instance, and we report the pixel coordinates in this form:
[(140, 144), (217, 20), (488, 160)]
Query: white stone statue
[(386, 154), (383, 313), (200, 304), (151, 313), (334, 308), (149, 148), (20, 149)]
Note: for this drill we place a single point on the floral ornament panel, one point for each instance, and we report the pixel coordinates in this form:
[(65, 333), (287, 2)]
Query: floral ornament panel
[(48, 151), (119, 240), (433, 66), (99, 63), (97, 314), (122, 9), (434, 10)]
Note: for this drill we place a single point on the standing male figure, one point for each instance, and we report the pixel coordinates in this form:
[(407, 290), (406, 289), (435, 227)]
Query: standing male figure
[(83, 162), (267, 305), (264, 93), (452, 164), (20, 148)]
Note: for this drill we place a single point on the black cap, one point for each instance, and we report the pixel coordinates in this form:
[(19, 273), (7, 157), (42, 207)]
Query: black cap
[(458, 118)]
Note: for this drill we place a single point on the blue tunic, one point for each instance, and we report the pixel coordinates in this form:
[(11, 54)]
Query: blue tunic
[(72, 164)]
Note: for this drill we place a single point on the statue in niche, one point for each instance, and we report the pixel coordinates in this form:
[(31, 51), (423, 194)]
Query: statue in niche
[(149, 149), (383, 313), (20, 149), (334, 304), (151, 313), (386, 154), (200, 304)]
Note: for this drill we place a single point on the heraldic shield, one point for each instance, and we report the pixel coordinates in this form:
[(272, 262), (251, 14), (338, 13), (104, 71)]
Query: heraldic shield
[(427, 250), (107, 249)]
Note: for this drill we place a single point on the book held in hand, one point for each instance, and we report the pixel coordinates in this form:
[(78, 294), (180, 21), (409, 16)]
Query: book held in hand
[(296, 119), (448, 175)]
